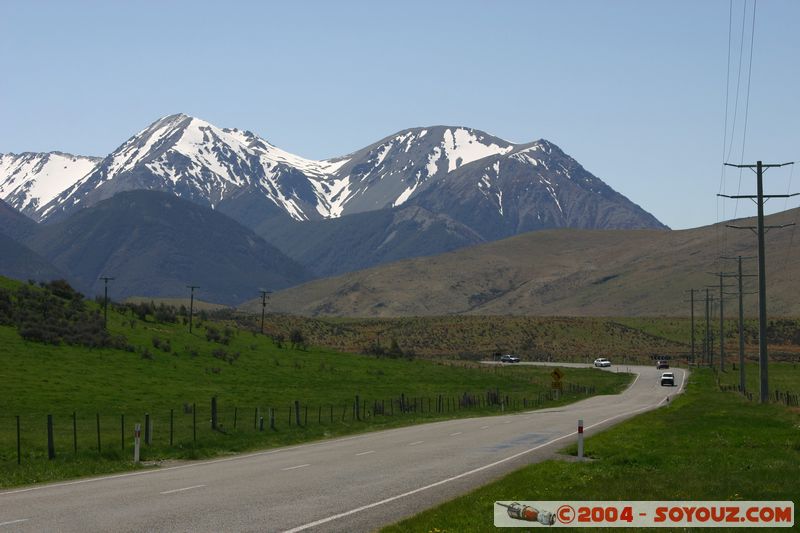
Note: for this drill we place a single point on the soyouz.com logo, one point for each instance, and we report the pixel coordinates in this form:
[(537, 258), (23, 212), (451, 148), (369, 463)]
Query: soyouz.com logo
[(746, 514)]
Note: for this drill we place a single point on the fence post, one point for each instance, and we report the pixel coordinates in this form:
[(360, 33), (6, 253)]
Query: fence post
[(235, 416), (51, 448), (147, 428), (271, 418), (74, 432), (19, 448), (99, 449), (137, 437), (297, 411), (214, 413)]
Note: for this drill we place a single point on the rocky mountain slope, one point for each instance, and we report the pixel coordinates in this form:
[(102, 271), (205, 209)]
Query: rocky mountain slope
[(155, 244)]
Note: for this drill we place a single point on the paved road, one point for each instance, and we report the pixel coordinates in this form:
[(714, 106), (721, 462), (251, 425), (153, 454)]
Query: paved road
[(348, 484)]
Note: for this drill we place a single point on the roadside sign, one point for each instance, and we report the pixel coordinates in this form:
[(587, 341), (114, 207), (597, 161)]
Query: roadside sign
[(556, 374)]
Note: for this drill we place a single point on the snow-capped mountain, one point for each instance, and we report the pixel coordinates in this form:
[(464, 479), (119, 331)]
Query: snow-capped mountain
[(495, 187), (203, 163), (30, 180)]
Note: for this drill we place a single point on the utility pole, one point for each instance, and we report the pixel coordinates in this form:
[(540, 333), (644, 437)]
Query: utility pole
[(721, 317), (692, 300), (760, 198), (741, 293), (721, 327), (191, 304), (264, 294), (707, 345), (105, 301)]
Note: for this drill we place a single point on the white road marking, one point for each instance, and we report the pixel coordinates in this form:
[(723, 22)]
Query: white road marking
[(181, 490), (13, 522), (456, 433), (453, 478), (415, 443), (366, 453), (484, 427), (295, 467), (190, 465)]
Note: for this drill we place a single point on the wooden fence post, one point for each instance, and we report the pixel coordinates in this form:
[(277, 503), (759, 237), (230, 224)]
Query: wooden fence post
[(19, 448), (51, 448)]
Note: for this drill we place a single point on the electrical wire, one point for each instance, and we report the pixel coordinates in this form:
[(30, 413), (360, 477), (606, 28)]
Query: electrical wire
[(747, 98), (721, 235)]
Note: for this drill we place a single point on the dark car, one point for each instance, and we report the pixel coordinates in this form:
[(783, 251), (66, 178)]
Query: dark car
[(662, 364)]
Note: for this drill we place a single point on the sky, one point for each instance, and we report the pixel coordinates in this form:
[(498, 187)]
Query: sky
[(634, 91)]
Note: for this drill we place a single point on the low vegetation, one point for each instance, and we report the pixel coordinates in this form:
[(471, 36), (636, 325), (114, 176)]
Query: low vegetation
[(168, 376), (576, 339), (707, 445)]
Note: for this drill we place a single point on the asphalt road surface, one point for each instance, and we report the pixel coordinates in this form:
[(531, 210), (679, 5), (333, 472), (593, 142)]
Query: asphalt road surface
[(350, 484)]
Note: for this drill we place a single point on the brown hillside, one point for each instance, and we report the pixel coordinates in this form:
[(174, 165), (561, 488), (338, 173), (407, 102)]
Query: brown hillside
[(560, 272)]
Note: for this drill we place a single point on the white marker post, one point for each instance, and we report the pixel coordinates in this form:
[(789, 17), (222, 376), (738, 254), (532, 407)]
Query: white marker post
[(580, 439), (137, 433)]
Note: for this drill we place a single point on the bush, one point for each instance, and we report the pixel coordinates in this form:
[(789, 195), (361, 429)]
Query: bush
[(55, 313), (297, 339)]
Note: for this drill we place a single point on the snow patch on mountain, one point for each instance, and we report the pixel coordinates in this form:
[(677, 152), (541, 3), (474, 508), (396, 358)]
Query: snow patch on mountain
[(30, 180), (462, 147)]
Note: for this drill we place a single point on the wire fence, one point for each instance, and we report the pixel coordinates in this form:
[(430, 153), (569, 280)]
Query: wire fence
[(34, 437), (787, 398)]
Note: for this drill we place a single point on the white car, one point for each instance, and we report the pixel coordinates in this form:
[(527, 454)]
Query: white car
[(667, 379), (508, 358), (601, 362)]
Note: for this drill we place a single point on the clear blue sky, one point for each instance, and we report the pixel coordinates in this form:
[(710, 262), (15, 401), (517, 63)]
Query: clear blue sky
[(634, 90)]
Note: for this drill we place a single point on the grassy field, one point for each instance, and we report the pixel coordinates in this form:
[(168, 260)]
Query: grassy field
[(707, 445), (172, 375), (782, 377)]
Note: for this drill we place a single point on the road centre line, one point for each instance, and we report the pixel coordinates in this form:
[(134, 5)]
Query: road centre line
[(456, 433), (12, 522), (458, 476), (182, 490), (415, 443), (484, 427), (366, 453), (296, 467)]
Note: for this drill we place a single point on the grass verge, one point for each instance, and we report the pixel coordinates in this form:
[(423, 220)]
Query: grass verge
[(707, 445)]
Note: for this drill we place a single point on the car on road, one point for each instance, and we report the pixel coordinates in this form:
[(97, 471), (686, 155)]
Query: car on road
[(508, 358), (662, 364), (667, 379), (602, 362)]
